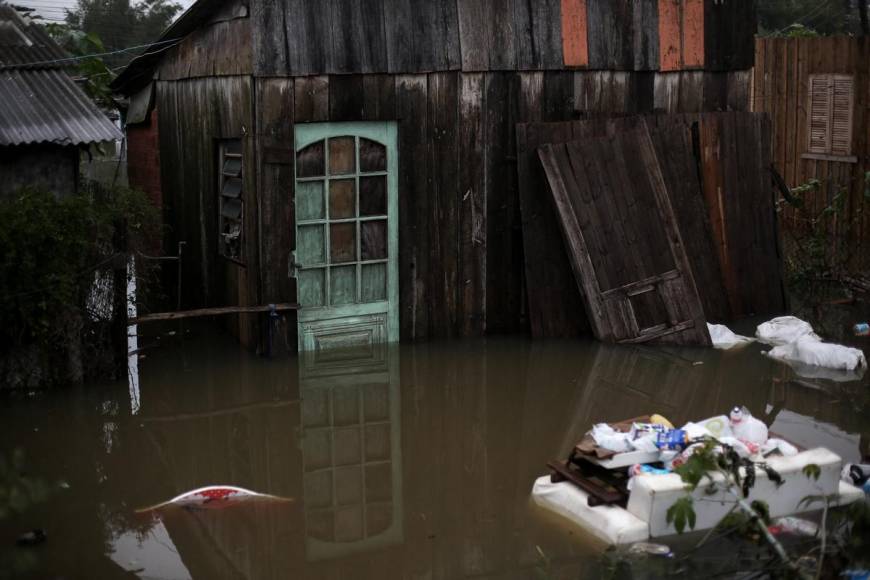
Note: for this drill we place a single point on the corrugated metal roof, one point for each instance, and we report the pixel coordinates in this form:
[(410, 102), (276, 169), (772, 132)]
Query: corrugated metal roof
[(39, 102), (46, 106), (22, 42)]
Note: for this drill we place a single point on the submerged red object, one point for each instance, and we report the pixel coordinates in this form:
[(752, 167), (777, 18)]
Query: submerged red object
[(214, 496)]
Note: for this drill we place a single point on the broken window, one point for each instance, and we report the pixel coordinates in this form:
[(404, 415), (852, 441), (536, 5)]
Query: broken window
[(231, 202), (831, 100)]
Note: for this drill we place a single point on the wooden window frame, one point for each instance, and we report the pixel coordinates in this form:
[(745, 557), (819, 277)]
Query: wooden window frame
[(826, 152), (223, 155)]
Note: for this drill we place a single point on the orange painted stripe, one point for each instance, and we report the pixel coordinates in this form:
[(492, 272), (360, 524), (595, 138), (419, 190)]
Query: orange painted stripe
[(575, 48), (670, 38), (693, 33)]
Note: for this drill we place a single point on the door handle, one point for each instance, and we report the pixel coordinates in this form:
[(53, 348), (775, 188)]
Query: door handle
[(293, 266)]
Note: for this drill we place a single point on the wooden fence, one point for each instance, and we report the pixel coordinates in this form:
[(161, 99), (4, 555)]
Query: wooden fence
[(783, 86)]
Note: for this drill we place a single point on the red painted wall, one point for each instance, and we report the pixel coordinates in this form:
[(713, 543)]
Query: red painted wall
[(143, 159)]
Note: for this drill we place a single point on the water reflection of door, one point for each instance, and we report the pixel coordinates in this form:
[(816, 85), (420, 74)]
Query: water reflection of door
[(345, 262), (351, 448)]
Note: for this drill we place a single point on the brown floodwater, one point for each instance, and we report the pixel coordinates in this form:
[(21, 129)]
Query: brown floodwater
[(415, 463)]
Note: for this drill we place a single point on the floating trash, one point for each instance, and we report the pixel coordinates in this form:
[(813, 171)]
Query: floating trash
[(215, 496)]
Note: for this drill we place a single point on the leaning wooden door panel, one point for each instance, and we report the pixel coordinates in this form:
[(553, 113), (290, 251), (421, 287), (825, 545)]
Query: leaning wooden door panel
[(623, 241)]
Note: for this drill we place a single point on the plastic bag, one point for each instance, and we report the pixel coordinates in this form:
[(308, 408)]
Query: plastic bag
[(724, 339), (809, 351), (784, 330), (607, 437)]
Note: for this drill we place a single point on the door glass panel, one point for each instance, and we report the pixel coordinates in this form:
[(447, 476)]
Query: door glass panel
[(310, 161), (342, 198), (342, 287), (309, 201), (348, 524), (374, 282), (311, 287), (378, 483), (372, 156), (379, 517), (342, 156), (342, 243), (348, 447), (310, 246), (374, 239), (373, 195)]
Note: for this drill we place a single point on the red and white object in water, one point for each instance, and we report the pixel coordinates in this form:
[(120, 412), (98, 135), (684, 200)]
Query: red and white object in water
[(215, 496)]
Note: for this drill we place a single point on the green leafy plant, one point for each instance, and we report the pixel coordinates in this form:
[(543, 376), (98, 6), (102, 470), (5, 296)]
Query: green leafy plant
[(51, 249)]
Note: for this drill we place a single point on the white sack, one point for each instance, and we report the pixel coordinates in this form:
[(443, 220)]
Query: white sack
[(809, 351), (784, 330), (724, 339)]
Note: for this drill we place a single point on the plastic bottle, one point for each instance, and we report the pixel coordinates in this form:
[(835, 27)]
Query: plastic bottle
[(862, 329)]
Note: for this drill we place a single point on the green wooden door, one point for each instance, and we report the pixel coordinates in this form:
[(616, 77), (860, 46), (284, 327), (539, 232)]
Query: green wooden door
[(346, 258)]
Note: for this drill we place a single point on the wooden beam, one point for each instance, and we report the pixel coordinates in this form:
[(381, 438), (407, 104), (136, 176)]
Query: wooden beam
[(211, 312)]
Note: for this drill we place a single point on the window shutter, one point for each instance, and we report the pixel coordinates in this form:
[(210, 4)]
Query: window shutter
[(841, 117), (820, 114)]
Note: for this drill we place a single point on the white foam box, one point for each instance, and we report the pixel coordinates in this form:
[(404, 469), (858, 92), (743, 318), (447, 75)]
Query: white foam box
[(652, 495)]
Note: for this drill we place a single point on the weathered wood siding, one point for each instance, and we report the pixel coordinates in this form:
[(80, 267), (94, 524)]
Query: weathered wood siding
[(304, 38), (460, 262), (780, 87), (194, 115)]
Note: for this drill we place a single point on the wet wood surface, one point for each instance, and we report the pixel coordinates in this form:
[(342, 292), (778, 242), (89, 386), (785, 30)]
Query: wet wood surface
[(623, 241), (727, 214), (298, 38)]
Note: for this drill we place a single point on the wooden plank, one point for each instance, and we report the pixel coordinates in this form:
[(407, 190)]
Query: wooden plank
[(555, 307), (269, 38), (444, 195), (504, 244), (346, 97), (611, 34), (670, 36), (680, 171), (503, 38), (601, 188), (546, 34), (575, 49), (275, 188), (475, 32), (379, 97), (399, 35), (472, 207), (693, 33), (311, 99), (309, 37), (645, 40), (412, 112), (200, 312)]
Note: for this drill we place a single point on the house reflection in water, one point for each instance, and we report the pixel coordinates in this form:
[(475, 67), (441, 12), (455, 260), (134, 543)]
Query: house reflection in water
[(351, 450)]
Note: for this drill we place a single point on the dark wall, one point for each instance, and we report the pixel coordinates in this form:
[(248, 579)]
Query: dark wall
[(461, 263), (51, 167), (194, 115)]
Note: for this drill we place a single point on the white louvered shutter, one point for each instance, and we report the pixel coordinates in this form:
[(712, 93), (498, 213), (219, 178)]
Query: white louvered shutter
[(841, 115), (820, 114)]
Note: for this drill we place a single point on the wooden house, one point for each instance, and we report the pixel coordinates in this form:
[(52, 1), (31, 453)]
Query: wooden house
[(359, 156)]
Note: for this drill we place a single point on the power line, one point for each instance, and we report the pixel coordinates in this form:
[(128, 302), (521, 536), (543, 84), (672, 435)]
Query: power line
[(100, 54)]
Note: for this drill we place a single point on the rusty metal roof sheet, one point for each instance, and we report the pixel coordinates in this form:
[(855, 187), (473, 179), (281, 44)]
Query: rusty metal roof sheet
[(46, 106)]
